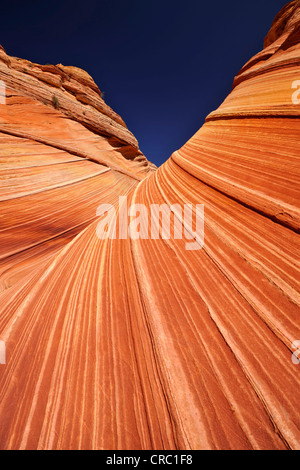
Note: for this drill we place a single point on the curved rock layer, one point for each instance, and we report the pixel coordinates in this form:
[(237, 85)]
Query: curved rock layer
[(140, 343), (60, 154)]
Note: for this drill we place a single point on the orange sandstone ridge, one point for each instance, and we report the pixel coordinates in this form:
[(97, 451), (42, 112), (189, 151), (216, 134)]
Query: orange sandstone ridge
[(139, 343), (62, 150)]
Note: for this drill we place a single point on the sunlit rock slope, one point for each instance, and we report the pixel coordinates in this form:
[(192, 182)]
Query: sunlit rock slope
[(140, 343)]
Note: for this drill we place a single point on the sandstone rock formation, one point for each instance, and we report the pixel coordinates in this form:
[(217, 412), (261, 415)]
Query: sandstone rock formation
[(139, 343), (62, 149)]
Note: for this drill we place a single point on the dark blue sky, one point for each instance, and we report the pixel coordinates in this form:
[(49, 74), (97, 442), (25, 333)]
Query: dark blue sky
[(163, 65)]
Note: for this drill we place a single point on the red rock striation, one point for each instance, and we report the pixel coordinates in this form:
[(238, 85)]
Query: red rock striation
[(62, 150), (140, 343)]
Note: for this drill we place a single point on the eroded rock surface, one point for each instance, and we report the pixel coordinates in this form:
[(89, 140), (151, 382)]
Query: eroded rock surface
[(140, 343)]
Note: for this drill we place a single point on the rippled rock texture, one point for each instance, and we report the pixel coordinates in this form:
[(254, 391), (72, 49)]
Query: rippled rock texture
[(140, 343)]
